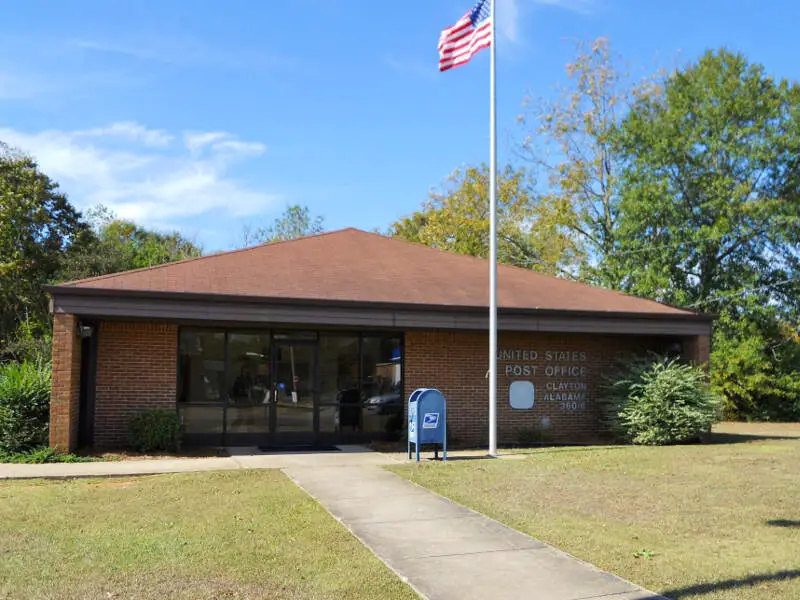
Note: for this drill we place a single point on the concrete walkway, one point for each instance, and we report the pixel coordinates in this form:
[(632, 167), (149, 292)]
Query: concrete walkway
[(444, 550), (448, 552), (240, 458)]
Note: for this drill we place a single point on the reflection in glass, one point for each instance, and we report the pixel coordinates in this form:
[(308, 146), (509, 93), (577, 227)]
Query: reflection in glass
[(202, 366), (247, 419), (199, 419), (381, 384), (253, 383), (294, 386), (338, 381), (248, 378), (328, 419)]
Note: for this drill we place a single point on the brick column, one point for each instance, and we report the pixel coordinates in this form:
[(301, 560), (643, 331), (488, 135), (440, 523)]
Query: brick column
[(65, 390), (698, 349)]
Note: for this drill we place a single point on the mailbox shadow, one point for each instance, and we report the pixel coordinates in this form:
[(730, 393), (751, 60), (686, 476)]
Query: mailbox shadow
[(783, 523)]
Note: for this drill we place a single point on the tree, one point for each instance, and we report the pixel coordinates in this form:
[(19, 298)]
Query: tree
[(38, 226), (710, 214), (457, 219), (712, 202), (295, 222), (120, 245), (578, 157)]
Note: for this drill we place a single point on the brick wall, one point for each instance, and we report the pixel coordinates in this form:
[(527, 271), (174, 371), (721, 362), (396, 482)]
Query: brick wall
[(136, 369), (566, 381), (65, 390)]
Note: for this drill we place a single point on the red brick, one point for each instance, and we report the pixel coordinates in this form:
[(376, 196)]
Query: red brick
[(65, 390), (136, 369), (457, 363)]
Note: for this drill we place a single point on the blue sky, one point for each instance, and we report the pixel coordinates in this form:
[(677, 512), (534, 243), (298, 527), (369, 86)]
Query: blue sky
[(205, 116)]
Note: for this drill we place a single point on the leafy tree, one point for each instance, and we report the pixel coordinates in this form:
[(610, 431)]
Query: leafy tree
[(710, 215), (570, 140), (120, 245), (38, 226), (756, 366), (295, 222), (457, 219)]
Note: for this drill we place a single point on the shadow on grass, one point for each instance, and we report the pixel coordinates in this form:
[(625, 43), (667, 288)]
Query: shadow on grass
[(731, 584), (581, 448), (741, 438), (783, 523)]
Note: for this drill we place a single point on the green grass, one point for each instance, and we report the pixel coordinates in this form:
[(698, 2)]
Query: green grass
[(711, 522), (234, 535)]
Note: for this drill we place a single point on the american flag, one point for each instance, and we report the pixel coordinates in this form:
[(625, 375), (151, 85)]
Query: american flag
[(472, 32)]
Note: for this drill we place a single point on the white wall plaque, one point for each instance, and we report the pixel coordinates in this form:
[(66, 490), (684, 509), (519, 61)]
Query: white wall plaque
[(521, 395)]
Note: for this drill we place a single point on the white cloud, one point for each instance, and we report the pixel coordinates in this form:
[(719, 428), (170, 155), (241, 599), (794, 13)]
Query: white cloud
[(507, 12), (511, 12), (239, 147), (578, 6), (147, 178), (197, 140), (181, 51), (221, 142), (130, 131)]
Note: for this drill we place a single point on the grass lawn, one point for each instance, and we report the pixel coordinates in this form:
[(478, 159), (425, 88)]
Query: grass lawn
[(711, 522), (234, 535)]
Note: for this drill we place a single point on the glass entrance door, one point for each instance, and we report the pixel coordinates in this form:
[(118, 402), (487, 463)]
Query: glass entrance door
[(247, 412), (295, 387)]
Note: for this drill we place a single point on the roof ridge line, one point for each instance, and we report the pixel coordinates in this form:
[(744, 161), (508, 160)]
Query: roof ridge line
[(204, 256)]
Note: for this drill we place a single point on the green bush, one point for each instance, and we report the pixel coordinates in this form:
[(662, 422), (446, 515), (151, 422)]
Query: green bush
[(155, 430), (42, 455), (24, 405), (658, 401)]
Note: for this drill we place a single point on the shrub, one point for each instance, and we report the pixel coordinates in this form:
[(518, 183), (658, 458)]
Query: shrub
[(155, 430), (24, 405), (528, 437), (42, 455), (657, 401)]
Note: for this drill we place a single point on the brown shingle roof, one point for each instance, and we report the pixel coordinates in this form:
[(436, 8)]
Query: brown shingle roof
[(353, 265)]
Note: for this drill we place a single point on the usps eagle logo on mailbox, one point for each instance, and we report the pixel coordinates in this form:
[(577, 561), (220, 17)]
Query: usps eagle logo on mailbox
[(430, 421)]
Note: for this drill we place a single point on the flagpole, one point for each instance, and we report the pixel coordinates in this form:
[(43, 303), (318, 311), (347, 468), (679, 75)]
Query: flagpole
[(492, 243)]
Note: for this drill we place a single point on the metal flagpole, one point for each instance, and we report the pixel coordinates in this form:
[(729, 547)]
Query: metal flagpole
[(492, 243)]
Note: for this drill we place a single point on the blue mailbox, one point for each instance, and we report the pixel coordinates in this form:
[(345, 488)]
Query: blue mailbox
[(427, 420)]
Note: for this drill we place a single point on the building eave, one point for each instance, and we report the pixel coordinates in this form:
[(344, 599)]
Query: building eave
[(230, 309)]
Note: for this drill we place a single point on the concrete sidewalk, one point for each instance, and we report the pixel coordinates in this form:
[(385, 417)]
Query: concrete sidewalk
[(448, 552), (240, 458)]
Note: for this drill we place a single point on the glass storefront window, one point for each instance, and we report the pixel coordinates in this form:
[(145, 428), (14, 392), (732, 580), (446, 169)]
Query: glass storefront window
[(338, 384), (202, 366), (381, 384), (202, 420), (257, 385)]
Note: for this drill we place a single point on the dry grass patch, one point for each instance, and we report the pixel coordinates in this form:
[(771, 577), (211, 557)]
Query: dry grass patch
[(239, 535), (712, 522)]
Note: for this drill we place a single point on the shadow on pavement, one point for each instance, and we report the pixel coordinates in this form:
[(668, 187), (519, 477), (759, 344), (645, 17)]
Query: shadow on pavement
[(731, 584)]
